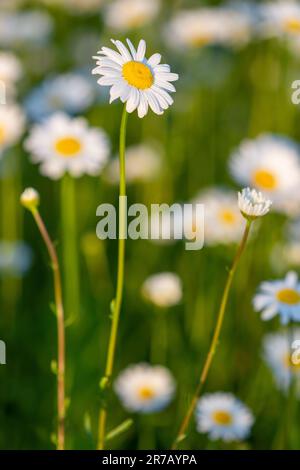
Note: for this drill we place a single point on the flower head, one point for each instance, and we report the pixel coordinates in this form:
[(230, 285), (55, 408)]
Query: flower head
[(280, 18), (63, 144), (69, 92), (12, 124), (279, 298), (123, 15), (137, 81), (223, 220), (223, 416), (253, 204), (163, 289), (270, 164), (204, 26), (144, 388), (278, 353), (30, 199)]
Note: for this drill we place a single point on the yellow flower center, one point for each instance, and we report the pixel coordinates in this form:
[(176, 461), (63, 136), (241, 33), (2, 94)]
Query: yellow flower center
[(265, 180), (138, 75), (290, 364), (292, 25), (222, 417), (68, 146), (288, 296), (227, 216), (199, 40), (146, 393), (2, 134)]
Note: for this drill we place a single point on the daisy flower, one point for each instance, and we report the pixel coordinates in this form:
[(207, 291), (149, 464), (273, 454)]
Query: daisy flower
[(204, 26), (278, 352), (144, 388), (24, 28), (279, 298), (10, 68), (224, 417), (280, 18), (270, 164), (223, 220), (137, 81), (70, 92), (143, 163), (63, 144), (253, 204), (12, 124), (163, 289), (123, 15)]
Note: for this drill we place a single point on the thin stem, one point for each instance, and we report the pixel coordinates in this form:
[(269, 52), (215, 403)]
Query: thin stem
[(120, 282), (70, 249), (60, 331), (214, 343)]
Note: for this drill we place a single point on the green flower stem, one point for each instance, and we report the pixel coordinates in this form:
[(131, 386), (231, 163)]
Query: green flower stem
[(71, 268), (116, 305), (60, 331), (215, 340)]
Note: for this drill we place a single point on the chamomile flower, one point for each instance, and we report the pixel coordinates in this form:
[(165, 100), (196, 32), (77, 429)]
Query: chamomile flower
[(280, 297), (253, 204), (204, 26), (25, 28), (63, 144), (137, 81), (10, 69), (280, 18), (144, 388), (143, 163), (163, 289), (223, 221), (224, 417), (123, 15), (12, 124), (278, 354), (270, 164), (70, 92)]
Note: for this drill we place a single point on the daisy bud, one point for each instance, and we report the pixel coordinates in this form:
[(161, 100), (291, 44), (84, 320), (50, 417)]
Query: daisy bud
[(253, 204), (30, 199)]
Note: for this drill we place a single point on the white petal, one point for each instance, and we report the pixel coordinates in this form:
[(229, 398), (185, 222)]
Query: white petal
[(132, 48), (133, 100), (122, 49), (269, 312), (143, 106), (154, 60), (141, 50), (153, 102)]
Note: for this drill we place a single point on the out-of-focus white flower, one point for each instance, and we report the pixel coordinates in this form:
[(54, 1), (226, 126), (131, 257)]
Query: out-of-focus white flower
[(278, 353), (30, 198), (280, 18), (123, 15), (10, 68), (25, 27), (62, 144), (143, 163), (70, 92), (163, 289), (15, 258), (280, 297), (204, 26), (224, 417), (223, 221), (270, 164), (144, 388), (12, 124), (253, 204), (137, 81)]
